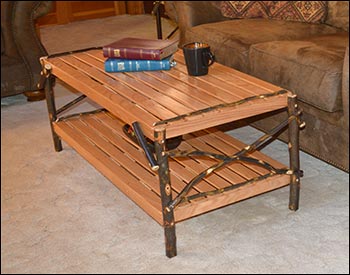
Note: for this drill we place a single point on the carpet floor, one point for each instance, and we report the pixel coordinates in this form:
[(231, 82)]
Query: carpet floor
[(60, 216)]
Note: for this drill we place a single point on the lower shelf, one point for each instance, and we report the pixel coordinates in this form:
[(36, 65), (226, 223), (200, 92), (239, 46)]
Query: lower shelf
[(99, 138)]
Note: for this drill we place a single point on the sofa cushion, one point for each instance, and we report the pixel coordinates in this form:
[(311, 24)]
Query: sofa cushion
[(338, 14), (302, 11), (230, 40), (345, 88), (311, 68)]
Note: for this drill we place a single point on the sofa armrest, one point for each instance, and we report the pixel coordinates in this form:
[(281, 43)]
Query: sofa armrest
[(23, 28), (7, 44), (345, 87), (18, 28), (193, 13), (21, 47)]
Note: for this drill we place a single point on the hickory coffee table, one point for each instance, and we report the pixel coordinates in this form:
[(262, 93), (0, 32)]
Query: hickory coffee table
[(208, 170)]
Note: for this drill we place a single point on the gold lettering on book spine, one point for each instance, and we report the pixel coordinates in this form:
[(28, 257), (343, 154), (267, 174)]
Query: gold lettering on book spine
[(117, 53)]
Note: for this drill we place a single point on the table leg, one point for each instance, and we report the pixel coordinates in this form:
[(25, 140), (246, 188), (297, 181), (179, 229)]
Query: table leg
[(293, 145), (51, 107), (166, 196), (158, 19)]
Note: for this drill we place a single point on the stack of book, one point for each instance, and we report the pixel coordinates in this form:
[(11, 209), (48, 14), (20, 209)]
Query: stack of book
[(138, 54)]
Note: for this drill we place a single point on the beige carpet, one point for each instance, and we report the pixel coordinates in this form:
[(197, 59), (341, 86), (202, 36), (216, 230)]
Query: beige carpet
[(99, 32), (59, 215)]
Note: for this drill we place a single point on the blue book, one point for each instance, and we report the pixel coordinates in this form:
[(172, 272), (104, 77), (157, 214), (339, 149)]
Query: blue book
[(113, 65)]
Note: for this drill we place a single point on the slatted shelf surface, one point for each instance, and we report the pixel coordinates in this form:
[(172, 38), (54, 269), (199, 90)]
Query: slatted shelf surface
[(99, 138), (150, 97)]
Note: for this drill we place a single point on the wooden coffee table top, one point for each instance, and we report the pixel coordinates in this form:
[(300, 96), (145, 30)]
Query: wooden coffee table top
[(168, 99)]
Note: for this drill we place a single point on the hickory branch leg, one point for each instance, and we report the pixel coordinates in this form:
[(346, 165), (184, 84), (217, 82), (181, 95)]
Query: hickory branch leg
[(51, 107), (165, 192), (293, 145)]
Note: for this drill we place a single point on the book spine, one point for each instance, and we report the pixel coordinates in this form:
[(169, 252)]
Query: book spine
[(123, 65), (131, 53)]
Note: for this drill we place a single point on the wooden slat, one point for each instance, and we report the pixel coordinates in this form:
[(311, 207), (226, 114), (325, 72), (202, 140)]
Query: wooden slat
[(184, 97), (113, 102), (193, 92), (237, 80), (221, 178), (235, 143), (196, 167), (210, 80), (138, 171), (223, 115), (110, 128), (230, 150), (140, 99), (178, 168), (99, 138), (206, 87), (178, 90), (229, 174), (220, 71), (128, 184), (186, 211), (224, 83), (163, 94), (235, 76)]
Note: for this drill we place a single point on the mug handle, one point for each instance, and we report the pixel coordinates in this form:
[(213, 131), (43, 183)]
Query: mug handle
[(211, 57)]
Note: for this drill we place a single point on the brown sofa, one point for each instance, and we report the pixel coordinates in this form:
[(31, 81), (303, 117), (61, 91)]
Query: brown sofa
[(21, 48), (306, 58)]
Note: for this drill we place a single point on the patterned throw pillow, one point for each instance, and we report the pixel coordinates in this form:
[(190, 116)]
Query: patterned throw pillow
[(243, 9), (302, 11)]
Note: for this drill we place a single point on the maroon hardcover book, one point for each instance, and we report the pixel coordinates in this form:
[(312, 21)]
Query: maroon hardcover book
[(140, 48)]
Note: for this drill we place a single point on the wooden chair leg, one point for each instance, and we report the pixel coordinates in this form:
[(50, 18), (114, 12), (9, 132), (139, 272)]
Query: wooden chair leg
[(35, 95)]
